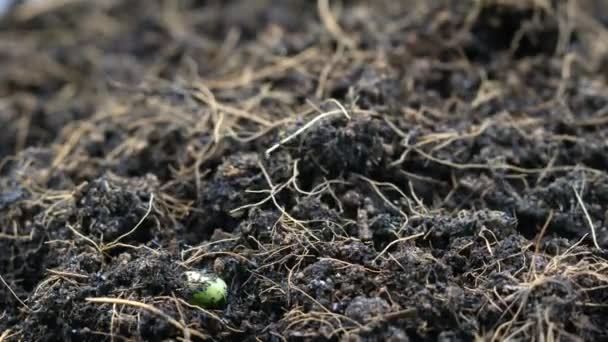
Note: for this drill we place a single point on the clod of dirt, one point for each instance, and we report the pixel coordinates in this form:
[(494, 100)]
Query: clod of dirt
[(110, 207), (495, 224), (363, 309), (340, 145), (145, 274)]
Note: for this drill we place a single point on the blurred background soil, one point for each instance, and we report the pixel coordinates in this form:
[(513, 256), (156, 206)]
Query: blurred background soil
[(355, 170)]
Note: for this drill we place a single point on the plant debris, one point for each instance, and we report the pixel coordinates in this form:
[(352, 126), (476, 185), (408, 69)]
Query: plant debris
[(353, 170)]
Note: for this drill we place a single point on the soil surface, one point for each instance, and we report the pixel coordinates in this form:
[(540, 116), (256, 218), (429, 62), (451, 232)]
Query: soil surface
[(354, 170)]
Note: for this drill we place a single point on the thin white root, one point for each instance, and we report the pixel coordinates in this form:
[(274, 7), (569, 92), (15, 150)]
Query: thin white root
[(407, 238), (588, 219), (115, 242), (342, 110)]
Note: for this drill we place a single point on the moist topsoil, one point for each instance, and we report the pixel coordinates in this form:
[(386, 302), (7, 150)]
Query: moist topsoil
[(354, 170)]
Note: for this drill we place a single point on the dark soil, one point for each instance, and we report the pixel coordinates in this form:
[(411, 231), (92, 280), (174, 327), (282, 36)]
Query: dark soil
[(354, 170)]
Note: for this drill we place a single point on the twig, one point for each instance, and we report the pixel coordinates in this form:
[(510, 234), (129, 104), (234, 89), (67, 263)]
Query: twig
[(67, 274)]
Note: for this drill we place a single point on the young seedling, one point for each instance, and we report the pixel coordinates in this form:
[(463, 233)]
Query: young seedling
[(207, 290)]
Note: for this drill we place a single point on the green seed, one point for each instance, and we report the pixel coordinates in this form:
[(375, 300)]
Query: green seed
[(208, 290)]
